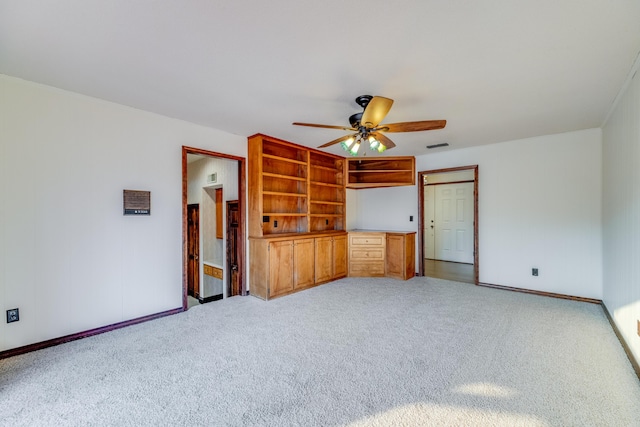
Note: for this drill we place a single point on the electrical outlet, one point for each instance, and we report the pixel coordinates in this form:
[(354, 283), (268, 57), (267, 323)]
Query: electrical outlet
[(13, 315), (411, 218), (534, 271), (275, 224)]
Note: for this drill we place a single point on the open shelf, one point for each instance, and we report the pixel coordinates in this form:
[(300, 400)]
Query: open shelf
[(381, 172), (294, 188)]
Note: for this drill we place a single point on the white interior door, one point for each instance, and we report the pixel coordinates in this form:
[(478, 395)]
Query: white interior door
[(429, 220), (454, 222)]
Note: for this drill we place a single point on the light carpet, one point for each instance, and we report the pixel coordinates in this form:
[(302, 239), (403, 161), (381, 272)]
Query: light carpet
[(355, 352)]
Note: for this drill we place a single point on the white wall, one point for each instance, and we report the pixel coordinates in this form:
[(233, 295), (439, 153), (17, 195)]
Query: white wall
[(621, 214), (69, 260), (539, 206)]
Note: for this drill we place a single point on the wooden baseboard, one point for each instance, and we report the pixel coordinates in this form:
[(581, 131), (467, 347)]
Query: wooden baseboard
[(541, 293), (209, 299), (627, 350), (56, 341)]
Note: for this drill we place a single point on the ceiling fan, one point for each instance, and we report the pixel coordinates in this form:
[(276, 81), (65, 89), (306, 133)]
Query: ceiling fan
[(368, 129)]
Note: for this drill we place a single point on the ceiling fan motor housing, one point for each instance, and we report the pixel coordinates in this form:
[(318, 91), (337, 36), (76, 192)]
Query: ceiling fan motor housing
[(363, 100), (354, 120)]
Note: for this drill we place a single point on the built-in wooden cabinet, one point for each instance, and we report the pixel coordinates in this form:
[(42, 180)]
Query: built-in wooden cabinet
[(382, 253), (327, 192), (330, 258), (287, 263), (291, 265), (380, 172), (296, 217), (367, 254), (401, 255), (293, 189), (303, 263)]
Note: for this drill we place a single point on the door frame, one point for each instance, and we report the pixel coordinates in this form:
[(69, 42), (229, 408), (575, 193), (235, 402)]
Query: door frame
[(241, 216), (476, 258)]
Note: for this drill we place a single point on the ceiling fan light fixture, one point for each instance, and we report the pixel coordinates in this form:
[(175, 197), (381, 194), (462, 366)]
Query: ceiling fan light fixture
[(354, 148), (368, 128), (346, 145)]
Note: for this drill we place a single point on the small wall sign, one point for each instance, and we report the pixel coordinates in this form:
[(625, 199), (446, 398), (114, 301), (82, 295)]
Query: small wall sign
[(136, 202)]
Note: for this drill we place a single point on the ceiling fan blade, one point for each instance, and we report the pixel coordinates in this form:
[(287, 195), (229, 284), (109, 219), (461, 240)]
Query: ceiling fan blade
[(414, 126), (313, 125), (375, 111), (336, 141), (384, 140)]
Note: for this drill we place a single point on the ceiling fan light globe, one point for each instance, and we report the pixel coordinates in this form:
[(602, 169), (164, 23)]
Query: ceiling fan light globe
[(354, 149), (381, 148), (346, 145)]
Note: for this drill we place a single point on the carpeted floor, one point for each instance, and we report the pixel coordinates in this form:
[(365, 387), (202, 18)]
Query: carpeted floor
[(356, 352)]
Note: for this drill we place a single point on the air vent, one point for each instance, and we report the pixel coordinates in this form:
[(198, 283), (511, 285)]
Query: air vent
[(212, 178), (444, 144)]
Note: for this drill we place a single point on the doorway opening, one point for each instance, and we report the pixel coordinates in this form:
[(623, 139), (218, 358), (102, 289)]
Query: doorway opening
[(448, 224), (213, 242)]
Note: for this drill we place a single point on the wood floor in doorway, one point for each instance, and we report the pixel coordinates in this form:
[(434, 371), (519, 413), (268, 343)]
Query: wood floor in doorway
[(449, 270)]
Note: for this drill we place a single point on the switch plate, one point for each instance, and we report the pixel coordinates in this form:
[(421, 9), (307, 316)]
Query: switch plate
[(411, 218), (13, 315), (534, 271)]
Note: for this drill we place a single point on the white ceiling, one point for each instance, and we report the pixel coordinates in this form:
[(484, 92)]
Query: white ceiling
[(497, 70)]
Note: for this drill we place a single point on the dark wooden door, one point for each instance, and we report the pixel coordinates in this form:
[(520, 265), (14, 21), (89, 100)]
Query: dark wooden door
[(193, 250), (233, 222)]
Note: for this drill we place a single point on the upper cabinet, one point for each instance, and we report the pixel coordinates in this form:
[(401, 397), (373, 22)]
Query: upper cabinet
[(293, 189), (380, 172)]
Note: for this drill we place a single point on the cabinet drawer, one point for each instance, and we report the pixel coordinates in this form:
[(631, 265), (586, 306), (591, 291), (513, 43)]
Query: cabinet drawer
[(367, 239), (366, 269), (366, 254), (213, 271)]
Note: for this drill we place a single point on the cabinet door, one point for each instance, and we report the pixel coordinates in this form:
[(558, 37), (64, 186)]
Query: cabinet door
[(395, 256), (280, 267), (339, 256), (323, 257), (409, 256), (303, 270)]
